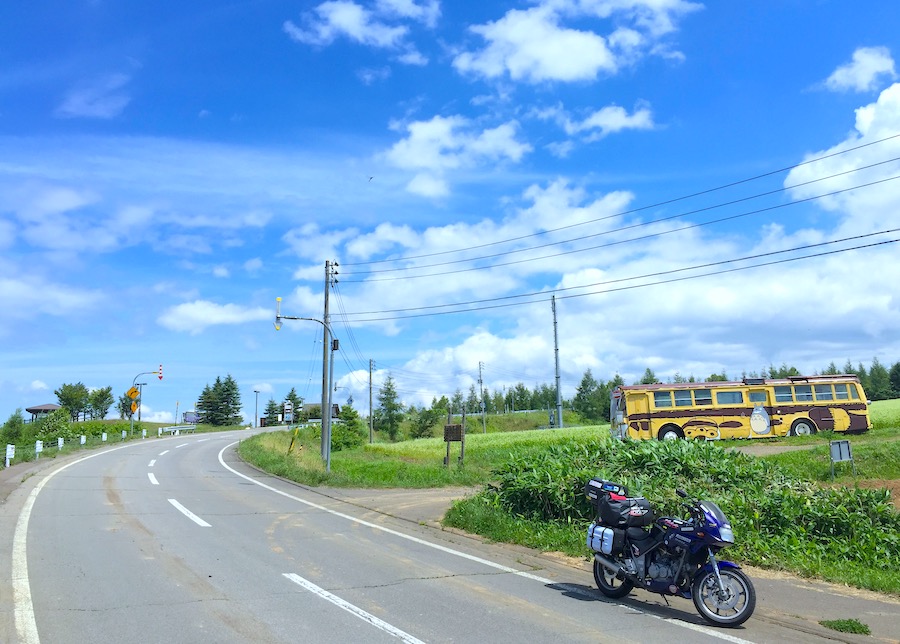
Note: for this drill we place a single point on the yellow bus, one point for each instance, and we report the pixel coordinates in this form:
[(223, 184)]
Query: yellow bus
[(751, 408)]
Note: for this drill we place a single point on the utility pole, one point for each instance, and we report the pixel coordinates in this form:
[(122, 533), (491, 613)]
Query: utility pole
[(481, 386), (371, 411), (559, 418), (326, 345)]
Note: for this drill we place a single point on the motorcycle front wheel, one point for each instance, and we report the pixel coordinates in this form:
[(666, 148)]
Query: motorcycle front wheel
[(609, 584), (732, 607)]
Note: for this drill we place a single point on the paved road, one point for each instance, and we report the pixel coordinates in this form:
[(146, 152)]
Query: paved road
[(175, 540)]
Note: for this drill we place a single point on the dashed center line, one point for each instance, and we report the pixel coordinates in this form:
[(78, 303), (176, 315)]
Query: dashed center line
[(152, 478), (190, 515)]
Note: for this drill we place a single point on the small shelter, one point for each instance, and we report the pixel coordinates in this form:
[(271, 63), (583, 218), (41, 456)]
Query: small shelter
[(40, 410)]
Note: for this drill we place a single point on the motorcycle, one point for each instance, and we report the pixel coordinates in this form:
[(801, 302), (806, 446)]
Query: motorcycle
[(667, 555)]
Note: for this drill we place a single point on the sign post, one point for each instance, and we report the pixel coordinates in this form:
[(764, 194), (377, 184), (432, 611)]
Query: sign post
[(10, 453)]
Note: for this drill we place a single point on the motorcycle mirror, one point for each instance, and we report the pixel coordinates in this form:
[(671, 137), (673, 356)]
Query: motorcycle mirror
[(681, 493)]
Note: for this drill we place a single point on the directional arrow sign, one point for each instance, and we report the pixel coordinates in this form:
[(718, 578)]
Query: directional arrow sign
[(134, 407), (133, 393)]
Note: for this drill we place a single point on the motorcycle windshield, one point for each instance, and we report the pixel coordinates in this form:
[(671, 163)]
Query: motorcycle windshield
[(714, 513)]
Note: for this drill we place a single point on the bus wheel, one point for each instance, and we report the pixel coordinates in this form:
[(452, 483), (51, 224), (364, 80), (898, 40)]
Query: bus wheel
[(670, 433), (803, 428)]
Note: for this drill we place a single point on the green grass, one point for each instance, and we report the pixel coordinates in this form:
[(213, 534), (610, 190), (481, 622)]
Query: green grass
[(414, 464), (871, 460), (846, 626)]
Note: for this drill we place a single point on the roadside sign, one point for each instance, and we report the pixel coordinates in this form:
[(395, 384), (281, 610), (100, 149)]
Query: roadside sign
[(133, 393), (134, 407)]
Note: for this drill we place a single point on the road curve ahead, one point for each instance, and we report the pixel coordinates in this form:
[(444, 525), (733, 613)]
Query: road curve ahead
[(175, 540)]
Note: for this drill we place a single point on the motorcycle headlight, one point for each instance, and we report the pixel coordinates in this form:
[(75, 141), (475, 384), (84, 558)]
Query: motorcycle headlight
[(726, 534)]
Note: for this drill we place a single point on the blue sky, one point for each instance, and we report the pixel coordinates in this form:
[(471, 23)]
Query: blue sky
[(168, 169)]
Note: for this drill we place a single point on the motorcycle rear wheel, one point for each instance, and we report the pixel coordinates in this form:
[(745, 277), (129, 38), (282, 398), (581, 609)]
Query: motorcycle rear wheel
[(731, 608), (609, 584)]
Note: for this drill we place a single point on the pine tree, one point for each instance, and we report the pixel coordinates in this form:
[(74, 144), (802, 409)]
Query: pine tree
[(390, 410)]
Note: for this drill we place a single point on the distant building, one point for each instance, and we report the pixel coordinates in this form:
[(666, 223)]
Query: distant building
[(40, 410)]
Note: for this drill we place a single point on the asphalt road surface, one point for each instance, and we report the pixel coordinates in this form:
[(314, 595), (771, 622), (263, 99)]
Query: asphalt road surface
[(175, 540)]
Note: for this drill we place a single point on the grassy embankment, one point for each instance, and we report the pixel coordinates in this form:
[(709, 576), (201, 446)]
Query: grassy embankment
[(93, 431), (783, 519)]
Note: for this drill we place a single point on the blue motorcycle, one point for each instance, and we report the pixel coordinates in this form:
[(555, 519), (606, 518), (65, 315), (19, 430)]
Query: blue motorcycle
[(665, 555)]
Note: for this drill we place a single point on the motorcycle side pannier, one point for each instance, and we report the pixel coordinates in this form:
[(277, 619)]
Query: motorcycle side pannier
[(624, 512), (609, 541)]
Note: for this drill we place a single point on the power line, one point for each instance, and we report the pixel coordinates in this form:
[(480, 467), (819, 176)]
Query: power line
[(630, 227), (632, 211), (624, 288)]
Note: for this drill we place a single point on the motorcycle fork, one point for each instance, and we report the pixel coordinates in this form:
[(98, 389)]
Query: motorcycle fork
[(715, 567)]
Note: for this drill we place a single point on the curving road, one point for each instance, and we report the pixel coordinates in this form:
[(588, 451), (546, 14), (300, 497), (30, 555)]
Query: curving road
[(176, 540)]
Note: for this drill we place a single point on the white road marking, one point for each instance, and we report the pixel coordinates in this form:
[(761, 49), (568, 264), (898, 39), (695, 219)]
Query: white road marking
[(152, 478), (527, 575), (350, 608), (26, 627), (190, 515), (202, 440), (164, 452), (152, 463), (182, 445)]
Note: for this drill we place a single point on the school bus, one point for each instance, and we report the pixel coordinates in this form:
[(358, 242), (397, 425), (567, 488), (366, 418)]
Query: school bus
[(751, 408)]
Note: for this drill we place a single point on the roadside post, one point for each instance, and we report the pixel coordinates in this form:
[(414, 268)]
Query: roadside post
[(10, 453), (38, 448)]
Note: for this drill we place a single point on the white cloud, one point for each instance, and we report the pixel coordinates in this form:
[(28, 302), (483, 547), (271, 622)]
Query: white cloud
[(37, 385), (427, 12), (253, 266), (28, 295), (607, 120), (531, 46), (101, 99), (194, 317), (368, 27), (868, 67), (221, 271), (534, 46), (863, 210), (451, 143)]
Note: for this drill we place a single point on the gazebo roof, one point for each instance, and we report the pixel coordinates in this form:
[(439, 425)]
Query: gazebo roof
[(42, 409)]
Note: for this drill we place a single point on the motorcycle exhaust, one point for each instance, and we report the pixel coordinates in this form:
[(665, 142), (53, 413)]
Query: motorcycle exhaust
[(621, 573)]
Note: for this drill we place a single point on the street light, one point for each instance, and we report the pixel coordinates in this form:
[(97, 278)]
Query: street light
[(326, 404), (134, 384), (256, 413)]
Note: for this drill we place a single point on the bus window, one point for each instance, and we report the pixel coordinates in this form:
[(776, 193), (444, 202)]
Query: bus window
[(854, 394), (703, 396), (662, 398), (840, 391), (729, 398), (784, 394), (823, 392), (683, 398), (803, 392), (758, 397)]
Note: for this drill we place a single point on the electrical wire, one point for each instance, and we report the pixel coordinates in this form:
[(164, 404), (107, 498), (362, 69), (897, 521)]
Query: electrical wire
[(632, 211), (629, 240), (623, 288)]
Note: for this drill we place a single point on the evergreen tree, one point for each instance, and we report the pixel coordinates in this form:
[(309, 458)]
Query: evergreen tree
[(350, 432), (521, 397), (390, 410), (230, 401), (894, 376), (456, 402), (879, 382), (272, 411), (13, 427), (296, 401), (473, 405), (649, 377), (586, 401)]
